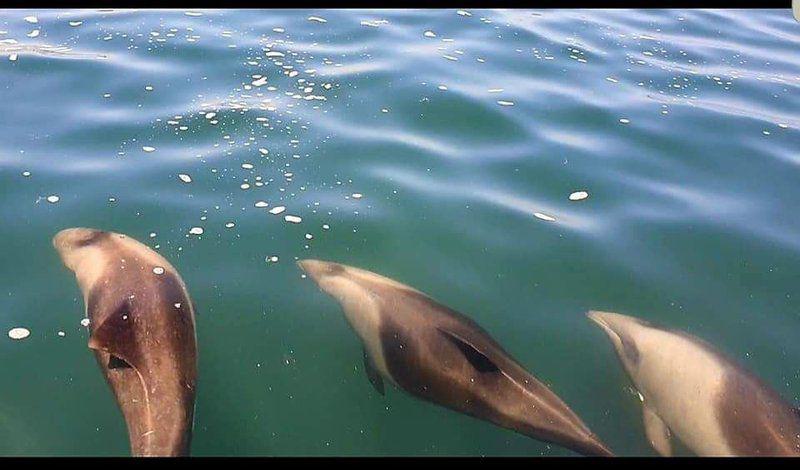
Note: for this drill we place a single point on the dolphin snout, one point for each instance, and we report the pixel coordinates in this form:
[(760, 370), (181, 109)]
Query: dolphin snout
[(75, 237), (318, 269), (608, 321), (597, 317), (61, 239)]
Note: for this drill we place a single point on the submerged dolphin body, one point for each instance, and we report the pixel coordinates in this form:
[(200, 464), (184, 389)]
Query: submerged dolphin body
[(439, 355), (693, 391), (142, 334)]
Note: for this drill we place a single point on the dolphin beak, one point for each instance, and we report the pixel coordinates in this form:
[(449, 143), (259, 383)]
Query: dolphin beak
[(311, 267), (318, 269), (308, 264), (61, 239), (605, 320), (68, 240), (71, 238)]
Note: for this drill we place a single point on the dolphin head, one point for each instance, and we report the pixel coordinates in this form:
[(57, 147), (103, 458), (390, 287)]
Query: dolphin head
[(73, 244), (353, 288), (80, 250), (623, 331), (330, 276), (349, 285), (337, 280), (325, 273)]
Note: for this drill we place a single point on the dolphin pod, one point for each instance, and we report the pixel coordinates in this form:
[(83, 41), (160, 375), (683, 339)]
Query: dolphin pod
[(142, 334), (439, 355), (714, 406)]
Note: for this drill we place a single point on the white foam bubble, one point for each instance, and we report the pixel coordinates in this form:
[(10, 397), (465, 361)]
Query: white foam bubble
[(578, 196), (19, 333)]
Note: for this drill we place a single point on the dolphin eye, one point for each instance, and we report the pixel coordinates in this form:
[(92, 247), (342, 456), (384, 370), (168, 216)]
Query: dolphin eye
[(630, 351)]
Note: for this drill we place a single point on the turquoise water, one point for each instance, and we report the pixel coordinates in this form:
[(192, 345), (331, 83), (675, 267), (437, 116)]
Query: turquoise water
[(456, 129)]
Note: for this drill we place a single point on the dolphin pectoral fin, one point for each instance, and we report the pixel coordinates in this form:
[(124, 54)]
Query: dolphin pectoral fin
[(657, 432), (373, 375), (479, 360)]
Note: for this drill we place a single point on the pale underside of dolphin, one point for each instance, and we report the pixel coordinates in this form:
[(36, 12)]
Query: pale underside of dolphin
[(142, 332), (439, 355), (694, 392)]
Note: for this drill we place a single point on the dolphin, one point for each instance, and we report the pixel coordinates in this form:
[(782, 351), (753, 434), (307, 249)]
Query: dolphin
[(439, 355), (690, 389), (142, 333)]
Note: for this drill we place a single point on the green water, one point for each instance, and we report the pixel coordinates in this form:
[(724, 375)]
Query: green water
[(681, 125)]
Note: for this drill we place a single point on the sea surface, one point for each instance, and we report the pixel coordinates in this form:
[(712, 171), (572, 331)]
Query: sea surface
[(437, 147)]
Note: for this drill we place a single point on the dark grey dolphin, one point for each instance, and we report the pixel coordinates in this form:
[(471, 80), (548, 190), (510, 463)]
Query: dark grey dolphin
[(690, 389), (142, 334), (439, 355)]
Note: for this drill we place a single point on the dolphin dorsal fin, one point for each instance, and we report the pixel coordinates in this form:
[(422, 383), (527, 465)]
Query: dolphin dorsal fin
[(116, 336), (372, 374), (479, 360), (115, 362)]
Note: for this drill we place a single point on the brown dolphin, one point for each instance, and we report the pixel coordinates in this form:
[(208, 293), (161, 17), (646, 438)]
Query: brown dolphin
[(690, 389), (439, 355), (142, 334)]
